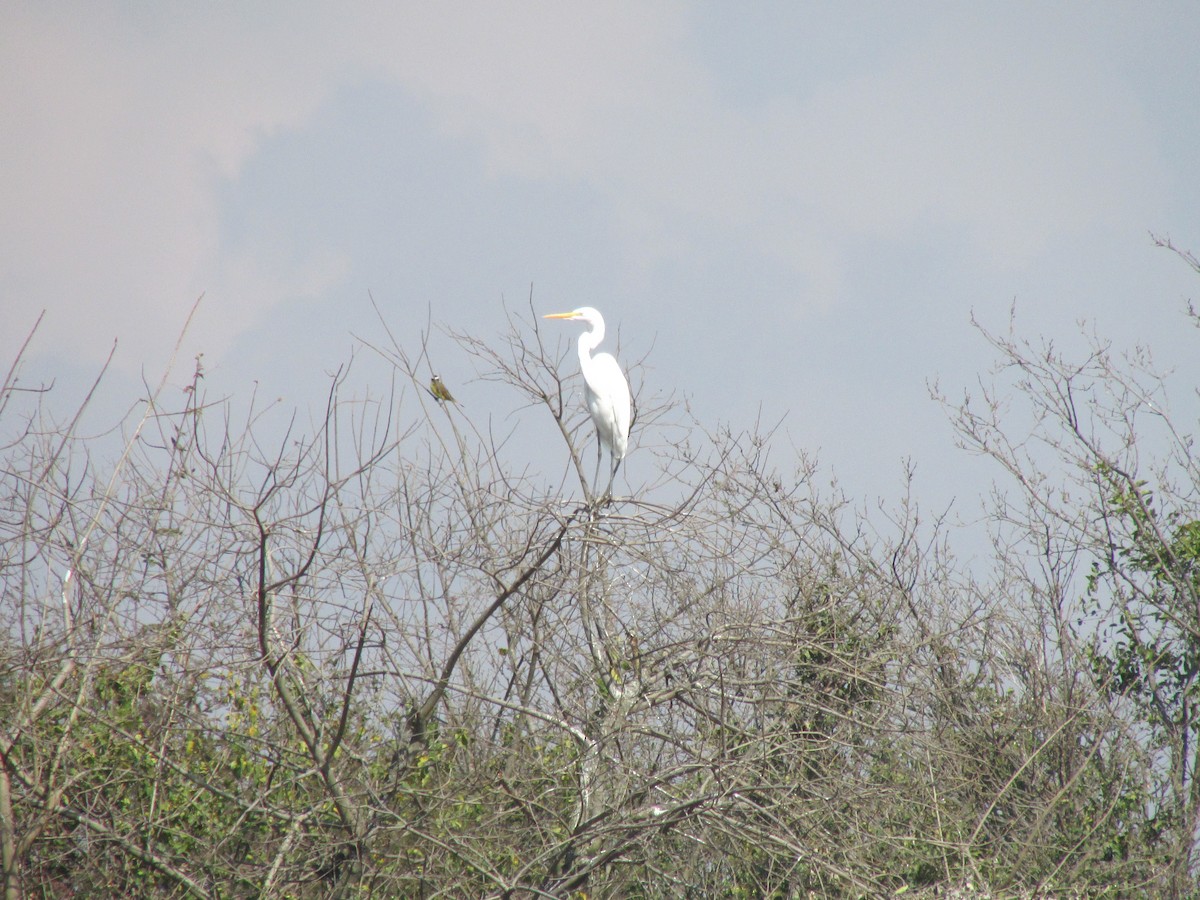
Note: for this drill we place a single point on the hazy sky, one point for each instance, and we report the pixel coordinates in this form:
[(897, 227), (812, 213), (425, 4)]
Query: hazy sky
[(793, 207)]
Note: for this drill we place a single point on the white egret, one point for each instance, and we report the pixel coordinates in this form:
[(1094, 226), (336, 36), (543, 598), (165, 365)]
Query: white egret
[(606, 390)]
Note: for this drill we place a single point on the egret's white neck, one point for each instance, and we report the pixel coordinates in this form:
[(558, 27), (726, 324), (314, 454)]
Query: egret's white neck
[(590, 340)]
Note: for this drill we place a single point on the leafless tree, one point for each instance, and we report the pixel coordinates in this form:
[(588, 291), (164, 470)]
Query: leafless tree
[(1102, 536), (367, 656)]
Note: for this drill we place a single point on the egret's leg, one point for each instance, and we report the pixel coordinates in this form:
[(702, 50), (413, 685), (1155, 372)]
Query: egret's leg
[(596, 477), (612, 476)]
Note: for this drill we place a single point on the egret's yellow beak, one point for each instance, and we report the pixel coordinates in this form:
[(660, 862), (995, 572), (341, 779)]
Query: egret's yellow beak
[(570, 315)]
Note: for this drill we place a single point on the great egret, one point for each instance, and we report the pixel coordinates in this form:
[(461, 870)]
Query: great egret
[(440, 392), (606, 390)]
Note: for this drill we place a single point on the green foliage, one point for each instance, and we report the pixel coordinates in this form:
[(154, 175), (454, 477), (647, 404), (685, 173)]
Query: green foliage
[(1148, 591), (417, 674)]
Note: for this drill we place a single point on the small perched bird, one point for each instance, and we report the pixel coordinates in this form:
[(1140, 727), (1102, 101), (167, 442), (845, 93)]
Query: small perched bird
[(440, 392), (606, 390)]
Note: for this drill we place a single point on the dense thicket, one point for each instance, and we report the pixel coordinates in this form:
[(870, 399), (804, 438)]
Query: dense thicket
[(368, 659)]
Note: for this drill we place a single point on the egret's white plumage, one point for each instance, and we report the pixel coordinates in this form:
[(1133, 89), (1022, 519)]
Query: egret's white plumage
[(606, 389)]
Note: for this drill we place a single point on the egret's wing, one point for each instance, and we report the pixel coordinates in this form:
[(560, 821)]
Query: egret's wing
[(610, 403)]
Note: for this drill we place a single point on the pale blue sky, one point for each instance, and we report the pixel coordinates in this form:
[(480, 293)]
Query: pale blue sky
[(797, 206)]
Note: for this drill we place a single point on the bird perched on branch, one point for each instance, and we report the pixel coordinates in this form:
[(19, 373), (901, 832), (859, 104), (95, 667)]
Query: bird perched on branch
[(606, 390), (440, 392)]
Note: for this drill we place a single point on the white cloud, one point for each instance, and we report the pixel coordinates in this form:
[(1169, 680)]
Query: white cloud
[(121, 126), (1013, 130), (1014, 145), (121, 123)]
